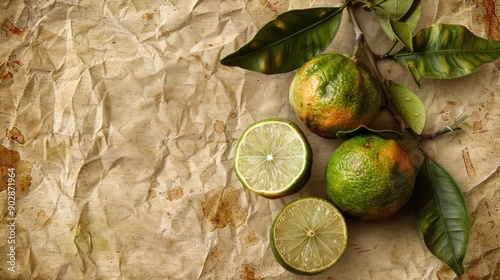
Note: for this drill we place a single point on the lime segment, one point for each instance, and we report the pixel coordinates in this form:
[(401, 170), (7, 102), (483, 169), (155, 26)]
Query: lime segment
[(308, 236), (273, 158)]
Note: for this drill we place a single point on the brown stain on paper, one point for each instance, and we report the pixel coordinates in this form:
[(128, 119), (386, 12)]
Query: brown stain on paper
[(469, 166), (42, 221), (153, 184), (219, 126), (221, 208), (147, 16), (488, 117), (248, 272), (445, 273), (490, 18), (268, 5), (11, 65), (175, 193), (477, 126), (152, 194), (251, 238), (15, 134), (6, 75), (491, 222), (11, 29), (10, 159), (197, 58), (360, 249)]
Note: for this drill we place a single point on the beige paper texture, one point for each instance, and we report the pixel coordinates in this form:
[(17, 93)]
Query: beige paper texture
[(120, 127)]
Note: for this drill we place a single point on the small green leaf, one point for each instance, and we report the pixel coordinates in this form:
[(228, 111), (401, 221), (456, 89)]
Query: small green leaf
[(287, 42), (398, 11), (441, 214), (344, 135), (414, 74), (385, 23), (412, 17), (403, 33), (408, 105), (445, 51), (395, 9)]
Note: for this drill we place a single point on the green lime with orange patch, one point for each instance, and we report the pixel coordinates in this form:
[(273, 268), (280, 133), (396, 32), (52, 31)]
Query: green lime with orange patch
[(369, 178), (332, 92)]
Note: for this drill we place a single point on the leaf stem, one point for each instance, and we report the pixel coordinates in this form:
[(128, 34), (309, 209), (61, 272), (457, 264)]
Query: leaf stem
[(445, 130), (388, 53), (371, 57), (357, 31)]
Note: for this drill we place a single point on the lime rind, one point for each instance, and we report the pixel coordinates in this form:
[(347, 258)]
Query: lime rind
[(273, 158), (369, 178), (308, 236)]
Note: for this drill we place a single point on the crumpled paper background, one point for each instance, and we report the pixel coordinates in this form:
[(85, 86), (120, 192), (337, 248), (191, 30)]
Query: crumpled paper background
[(121, 125)]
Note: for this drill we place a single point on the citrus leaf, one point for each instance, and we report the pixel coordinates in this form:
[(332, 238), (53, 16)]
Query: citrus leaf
[(344, 135), (441, 214), (414, 74), (403, 33), (445, 51), (385, 23), (287, 42), (408, 105), (411, 16), (395, 9)]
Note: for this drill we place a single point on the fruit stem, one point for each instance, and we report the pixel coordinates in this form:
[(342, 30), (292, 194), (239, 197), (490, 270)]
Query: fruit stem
[(355, 51), (371, 57), (357, 30)]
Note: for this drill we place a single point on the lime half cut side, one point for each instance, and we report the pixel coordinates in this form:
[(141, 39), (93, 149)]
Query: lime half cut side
[(308, 236), (273, 158)]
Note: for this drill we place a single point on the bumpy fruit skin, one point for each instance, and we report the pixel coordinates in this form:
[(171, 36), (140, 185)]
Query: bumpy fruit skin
[(331, 93), (369, 178)]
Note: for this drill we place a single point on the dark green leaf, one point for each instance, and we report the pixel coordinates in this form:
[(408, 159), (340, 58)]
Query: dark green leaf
[(408, 105), (385, 23), (344, 135), (395, 9), (412, 17), (445, 51), (398, 11), (284, 44), (441, 214), (403, 33)]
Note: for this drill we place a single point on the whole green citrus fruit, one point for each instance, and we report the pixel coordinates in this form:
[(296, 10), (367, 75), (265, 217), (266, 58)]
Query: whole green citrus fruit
[(332, 92), (369, 178)]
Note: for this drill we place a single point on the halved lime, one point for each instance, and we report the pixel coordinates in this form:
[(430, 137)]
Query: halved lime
[(273, 158), (308, 235)]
